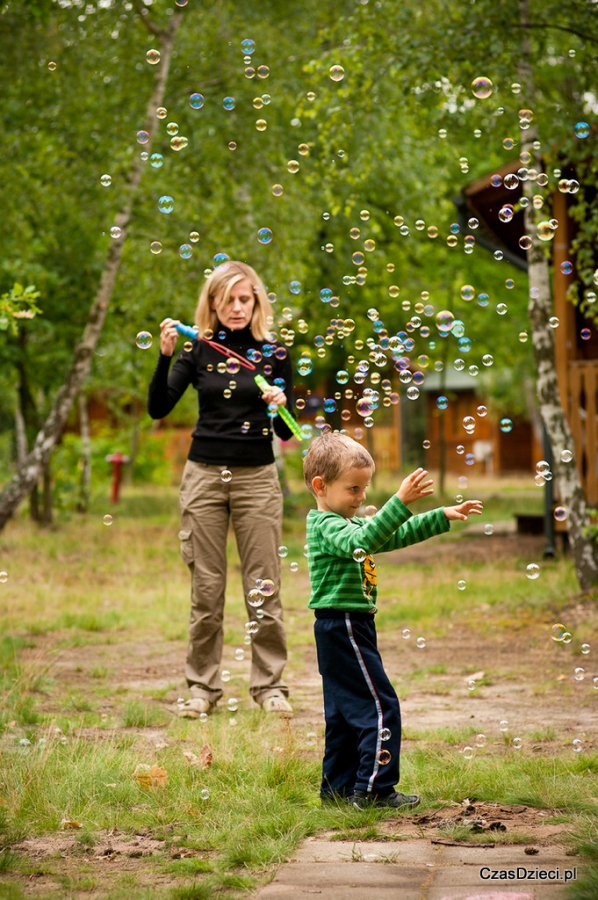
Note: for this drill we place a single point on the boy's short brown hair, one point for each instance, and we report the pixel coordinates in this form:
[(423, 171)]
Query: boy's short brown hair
[(331, 454)]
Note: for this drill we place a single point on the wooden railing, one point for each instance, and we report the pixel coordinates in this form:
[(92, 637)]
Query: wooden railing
[(583, 421)]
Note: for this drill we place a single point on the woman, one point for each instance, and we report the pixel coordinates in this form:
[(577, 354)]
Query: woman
[(230, 474)]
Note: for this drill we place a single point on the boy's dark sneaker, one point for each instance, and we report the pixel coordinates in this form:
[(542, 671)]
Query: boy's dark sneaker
[(396, 800)]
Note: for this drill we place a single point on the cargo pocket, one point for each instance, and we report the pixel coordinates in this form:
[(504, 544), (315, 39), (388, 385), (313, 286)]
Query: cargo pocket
[(186, 539)]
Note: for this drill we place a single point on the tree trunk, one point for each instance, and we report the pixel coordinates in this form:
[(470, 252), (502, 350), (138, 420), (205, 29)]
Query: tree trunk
[(33, 465), (46, 514), (540, 310), (85, 480)]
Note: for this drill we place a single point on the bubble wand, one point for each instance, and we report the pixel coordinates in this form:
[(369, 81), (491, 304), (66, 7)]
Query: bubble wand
[(191, 331)]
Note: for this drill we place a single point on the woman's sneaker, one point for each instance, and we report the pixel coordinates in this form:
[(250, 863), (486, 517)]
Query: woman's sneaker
[(193, 708), (277, 703), (396, 800)]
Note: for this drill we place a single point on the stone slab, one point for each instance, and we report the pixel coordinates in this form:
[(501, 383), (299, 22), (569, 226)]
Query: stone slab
[(414, 870)]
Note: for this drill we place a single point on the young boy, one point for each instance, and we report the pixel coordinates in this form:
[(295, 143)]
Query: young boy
[(361, 708)]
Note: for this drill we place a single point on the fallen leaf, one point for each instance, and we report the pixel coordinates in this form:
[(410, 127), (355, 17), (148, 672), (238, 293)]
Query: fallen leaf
[(531, 851), (202, 761), (150, 777), (477, 676), (67, 823)]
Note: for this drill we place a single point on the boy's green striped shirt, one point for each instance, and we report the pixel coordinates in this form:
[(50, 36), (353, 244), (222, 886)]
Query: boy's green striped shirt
[(337, 579)]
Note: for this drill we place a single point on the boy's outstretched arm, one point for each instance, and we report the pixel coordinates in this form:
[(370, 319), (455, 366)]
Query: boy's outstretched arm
[(414, 486), (463, 510)]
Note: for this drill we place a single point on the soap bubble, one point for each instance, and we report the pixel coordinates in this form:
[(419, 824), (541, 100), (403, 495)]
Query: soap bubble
[(239, 654), (293, 166), (3, 577), (579, 673), (585, 334), (480, 740), (225, 675), (153, 57), (444, 321), (204, 793), (576, 745), (546, 231), (517, 743), (359, 554), (582, 130), (532, 570), (467, 292), (385, 734), (506, 425), (107, 519), (525, 242), (421, 643), (482, 87), (264, 235), (261, 124), (560, 514), (566, 456), (283, 551), (337, 73), (115, 232), (262, 71), (232, 704), (228, 103), (384, 757), (461, 584), (471, 685), (585, 649), (196, 101), (503, 725), (468, 752), (156, 160), (106, 180), (185, 251), (166, 204), (226, 476), (179, 143), (442, 402), (144, 340)]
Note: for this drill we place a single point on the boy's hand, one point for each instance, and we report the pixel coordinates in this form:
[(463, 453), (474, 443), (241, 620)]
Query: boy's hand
[(461, 512), (413, 487)]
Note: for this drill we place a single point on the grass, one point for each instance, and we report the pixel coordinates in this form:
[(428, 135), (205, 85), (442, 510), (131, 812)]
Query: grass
[(93, 610)]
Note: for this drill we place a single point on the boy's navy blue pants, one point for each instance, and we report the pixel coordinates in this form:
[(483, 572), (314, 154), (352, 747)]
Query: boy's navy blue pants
[(361, 708)]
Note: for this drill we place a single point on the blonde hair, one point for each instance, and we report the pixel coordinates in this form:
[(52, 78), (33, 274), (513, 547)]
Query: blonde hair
[(331, 454), (218, 285)]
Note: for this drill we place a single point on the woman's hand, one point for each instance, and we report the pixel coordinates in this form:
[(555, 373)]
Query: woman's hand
[(168, 336), (275, 395), (414, 486)]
